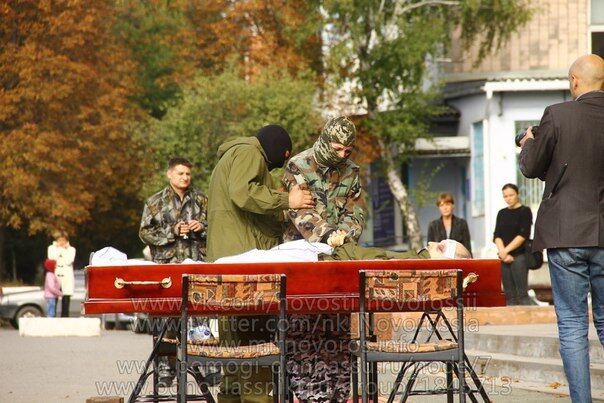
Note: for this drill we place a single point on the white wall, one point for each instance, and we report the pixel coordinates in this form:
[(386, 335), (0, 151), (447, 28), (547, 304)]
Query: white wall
[(448, 178)]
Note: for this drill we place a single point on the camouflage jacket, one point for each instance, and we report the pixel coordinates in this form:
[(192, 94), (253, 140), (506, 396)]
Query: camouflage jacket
[(162, 212), (338, 196)]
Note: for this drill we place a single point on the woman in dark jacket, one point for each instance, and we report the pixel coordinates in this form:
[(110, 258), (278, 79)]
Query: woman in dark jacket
[(448, 226), (512, 229)]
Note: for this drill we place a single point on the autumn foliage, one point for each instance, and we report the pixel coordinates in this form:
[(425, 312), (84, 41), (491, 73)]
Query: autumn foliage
[(65, 151)]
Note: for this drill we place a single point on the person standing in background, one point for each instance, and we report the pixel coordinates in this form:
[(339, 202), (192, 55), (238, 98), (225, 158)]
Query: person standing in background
[(64, 254), (512, 229), (52, 287), (173, 223), (173, 226), (448, 226)]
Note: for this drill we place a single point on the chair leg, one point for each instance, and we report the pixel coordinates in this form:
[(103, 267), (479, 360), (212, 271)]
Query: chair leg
[(398, 381), (449, 382), (354, 369), (462, 380), (374, 382), (152, 358), (364, 392), (203, 386), (476, 380), (410, 383), (276, 385), (181, 381)]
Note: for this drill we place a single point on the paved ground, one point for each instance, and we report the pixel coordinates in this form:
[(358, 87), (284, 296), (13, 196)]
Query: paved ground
[(71, 369)]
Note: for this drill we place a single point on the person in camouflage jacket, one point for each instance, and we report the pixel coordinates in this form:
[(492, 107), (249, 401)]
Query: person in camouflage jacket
[(333, 180), (318, 356), (174, 219)]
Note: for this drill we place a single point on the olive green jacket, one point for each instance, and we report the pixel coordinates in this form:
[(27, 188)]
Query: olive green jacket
[(244, 210)]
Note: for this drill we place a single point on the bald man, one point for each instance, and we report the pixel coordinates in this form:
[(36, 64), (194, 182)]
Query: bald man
[(570, 222)]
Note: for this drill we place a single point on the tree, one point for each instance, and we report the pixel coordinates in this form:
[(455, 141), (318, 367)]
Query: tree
[(382, 49), (214, 108), (66, 154), (159, 37), (257, 34), (171, 41)]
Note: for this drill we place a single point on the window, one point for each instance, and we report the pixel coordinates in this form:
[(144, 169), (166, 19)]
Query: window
[(597, 43), (597, 12), (596, 28), (531, 190), (477, 185)]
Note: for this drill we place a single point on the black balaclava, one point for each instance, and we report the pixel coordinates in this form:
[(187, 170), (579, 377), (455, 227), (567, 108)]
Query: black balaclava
[(275, 141)]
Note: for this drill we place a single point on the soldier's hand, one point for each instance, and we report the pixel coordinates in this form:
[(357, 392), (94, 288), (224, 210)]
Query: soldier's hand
[(195, 225), (181, 228), (300, 198), (337, 238)]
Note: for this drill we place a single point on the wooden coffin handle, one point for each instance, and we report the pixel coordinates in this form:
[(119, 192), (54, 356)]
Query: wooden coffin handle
[(120, 283), (469, 279)]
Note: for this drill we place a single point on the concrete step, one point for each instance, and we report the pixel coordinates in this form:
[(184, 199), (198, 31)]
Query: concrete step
[(526, 345), (527, 368), (53, 327)]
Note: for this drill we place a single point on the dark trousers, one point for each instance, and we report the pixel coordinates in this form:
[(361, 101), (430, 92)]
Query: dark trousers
[(515, 281), (65, 306)]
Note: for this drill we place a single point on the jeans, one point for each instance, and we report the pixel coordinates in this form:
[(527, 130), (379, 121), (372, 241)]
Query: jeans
[(574, 273), (52, 307), (515, 281)]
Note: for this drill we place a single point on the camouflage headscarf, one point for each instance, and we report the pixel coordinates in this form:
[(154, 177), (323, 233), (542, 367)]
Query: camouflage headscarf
[(337, 130)]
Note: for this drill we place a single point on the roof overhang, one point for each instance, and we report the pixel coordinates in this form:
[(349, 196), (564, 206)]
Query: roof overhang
[(517, 85), (441, 147)]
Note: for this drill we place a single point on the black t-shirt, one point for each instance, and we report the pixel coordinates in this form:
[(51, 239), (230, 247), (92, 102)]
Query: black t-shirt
[(513, 222)]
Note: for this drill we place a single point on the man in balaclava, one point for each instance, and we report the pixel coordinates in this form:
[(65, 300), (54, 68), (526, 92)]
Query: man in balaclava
[(318, 356), (245, 212)]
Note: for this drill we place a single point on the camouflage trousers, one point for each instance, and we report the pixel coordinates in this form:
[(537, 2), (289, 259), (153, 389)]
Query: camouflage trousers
[(318, 357)]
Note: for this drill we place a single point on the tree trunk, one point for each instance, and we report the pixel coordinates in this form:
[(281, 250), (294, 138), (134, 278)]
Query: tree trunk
[(402, 197), (2, 263), (14, 262)]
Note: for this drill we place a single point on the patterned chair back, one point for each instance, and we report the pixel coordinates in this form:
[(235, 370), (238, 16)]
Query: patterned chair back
[(233, 291), (410, 286)]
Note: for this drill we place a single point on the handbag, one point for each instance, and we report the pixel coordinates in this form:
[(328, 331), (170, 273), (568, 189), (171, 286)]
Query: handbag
[(534, 260)]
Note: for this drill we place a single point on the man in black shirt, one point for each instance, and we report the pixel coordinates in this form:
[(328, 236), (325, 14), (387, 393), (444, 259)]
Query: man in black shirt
[(512, 229)]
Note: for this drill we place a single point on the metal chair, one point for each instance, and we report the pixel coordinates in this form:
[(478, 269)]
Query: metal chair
[(407, 291), (231, 295)]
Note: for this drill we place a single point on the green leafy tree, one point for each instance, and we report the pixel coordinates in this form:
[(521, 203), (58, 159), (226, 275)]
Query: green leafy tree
[(158, 36), (382, 48), (214, 108)]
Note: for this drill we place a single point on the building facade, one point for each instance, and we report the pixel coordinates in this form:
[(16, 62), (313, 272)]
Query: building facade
[(473, 153)]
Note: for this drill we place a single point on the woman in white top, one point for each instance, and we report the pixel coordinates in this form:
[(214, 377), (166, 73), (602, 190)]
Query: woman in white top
[(64, 255)]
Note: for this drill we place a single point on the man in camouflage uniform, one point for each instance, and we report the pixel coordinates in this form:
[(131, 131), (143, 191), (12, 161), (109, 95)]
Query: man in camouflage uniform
[(174, 226), (318, 345), (174, 219)]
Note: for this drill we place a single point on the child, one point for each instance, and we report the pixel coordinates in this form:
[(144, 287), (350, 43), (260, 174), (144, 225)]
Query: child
[(52, 288)]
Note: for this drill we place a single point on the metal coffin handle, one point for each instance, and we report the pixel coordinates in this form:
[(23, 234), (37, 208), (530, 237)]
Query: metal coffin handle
[(120, 283), (469, 279)]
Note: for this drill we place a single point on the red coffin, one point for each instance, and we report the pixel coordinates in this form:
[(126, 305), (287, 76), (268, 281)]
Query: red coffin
[(330, 286)]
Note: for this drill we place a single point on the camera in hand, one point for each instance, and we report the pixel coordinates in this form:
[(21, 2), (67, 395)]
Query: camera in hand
[(522, 133)]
